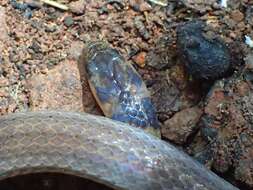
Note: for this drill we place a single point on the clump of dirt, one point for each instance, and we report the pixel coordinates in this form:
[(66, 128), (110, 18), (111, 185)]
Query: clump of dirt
[(226, 129), (204, 58)]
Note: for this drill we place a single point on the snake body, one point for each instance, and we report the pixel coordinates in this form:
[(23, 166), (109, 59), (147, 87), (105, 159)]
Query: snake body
[(97, 148)]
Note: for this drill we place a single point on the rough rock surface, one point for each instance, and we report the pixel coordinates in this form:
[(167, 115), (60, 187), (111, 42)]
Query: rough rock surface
[(172, 92), (61, 89), (77, 7), (226, 128), (182, 125)]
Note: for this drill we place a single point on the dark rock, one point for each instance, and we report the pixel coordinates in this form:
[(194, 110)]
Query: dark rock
[(204, 58), (68, 21)]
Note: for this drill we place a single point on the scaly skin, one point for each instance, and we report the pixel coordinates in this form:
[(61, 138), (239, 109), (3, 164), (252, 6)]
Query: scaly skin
[(118, 88), (100, 149)]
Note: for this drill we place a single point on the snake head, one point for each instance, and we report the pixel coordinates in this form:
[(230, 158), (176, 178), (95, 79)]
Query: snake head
[(118, 88)]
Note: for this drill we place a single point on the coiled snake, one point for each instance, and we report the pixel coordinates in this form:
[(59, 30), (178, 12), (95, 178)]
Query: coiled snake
[(100, 149)]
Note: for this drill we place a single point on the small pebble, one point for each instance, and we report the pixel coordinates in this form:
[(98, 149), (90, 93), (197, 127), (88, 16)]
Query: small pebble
[(140, 59), (205, 59), (68, 21)]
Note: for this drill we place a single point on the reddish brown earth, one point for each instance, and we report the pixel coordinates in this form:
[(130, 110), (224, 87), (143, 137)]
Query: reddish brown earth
[(213, 122)]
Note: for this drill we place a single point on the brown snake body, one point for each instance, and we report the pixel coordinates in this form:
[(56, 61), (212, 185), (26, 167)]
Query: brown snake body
[(100, 149)]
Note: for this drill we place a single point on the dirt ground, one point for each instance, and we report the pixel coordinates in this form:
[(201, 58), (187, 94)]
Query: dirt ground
[(212, 121)]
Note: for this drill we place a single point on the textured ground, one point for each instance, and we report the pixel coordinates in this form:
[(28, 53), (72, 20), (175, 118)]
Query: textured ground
[(40, 48)]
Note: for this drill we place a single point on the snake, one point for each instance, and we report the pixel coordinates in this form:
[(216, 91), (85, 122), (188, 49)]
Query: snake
[(122, 151), (118, 88)]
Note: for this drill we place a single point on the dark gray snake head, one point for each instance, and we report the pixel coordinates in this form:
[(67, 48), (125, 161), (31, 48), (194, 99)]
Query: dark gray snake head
[(118, 88)]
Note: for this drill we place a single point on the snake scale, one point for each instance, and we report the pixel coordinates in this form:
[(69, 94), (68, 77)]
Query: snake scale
[(119, 156), (100, 149)]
